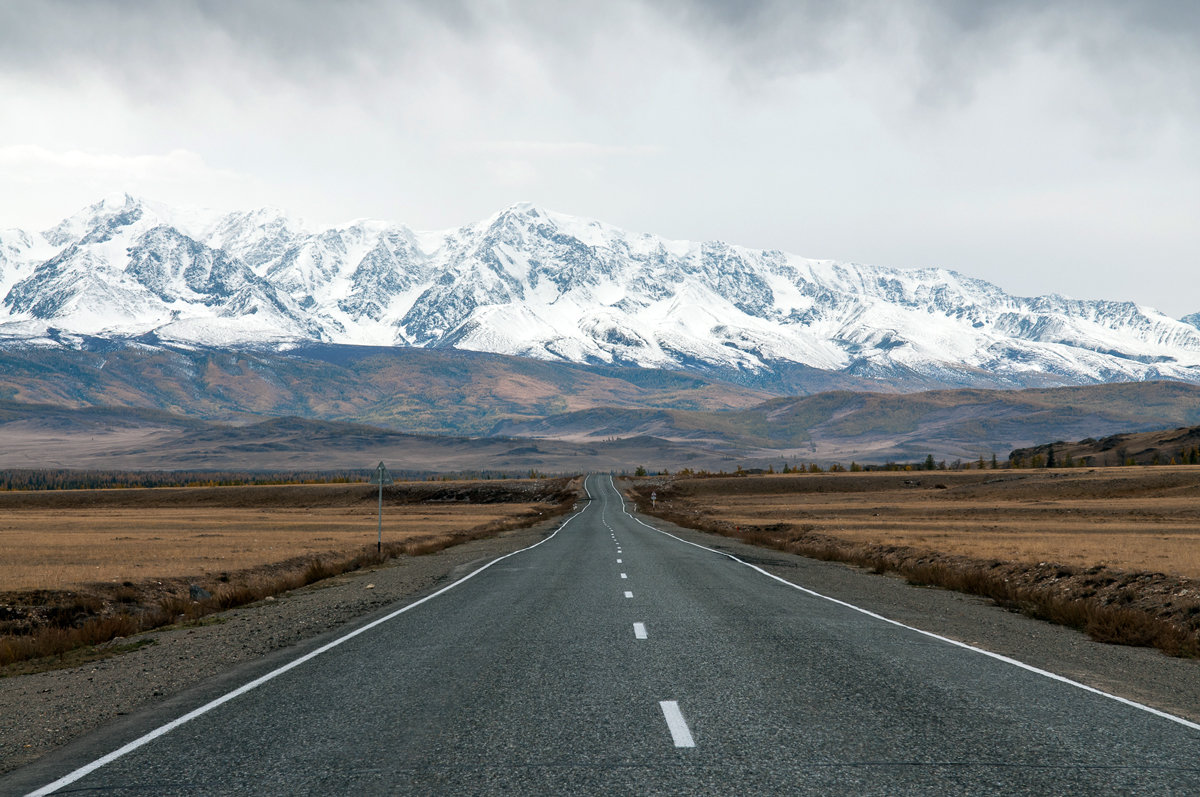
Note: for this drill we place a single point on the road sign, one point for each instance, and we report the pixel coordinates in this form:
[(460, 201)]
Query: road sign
[(380, 477), (653, 499)]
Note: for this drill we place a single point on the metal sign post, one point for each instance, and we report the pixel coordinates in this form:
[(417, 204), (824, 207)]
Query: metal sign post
[(653, 499), (382, 477)]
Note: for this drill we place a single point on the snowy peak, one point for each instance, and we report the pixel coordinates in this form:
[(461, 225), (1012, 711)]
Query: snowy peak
[(258, 238), (533, 282), (124, 271)]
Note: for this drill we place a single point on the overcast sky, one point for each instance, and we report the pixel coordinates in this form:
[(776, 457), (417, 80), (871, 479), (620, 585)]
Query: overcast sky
[(1044, 146)]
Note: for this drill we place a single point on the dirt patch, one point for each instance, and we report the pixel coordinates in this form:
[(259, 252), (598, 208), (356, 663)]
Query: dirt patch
[(1110, 551)]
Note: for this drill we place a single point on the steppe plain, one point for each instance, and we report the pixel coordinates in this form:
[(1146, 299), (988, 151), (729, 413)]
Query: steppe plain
[(1132, 518), (70, 539)]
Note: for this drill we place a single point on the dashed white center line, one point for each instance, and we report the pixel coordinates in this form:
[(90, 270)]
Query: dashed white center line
[(628, 594), (618, 561), (639, 631), (624, 576), (676, 723)]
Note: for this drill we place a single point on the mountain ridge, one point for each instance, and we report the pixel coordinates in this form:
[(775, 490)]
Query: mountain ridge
[(534, 283)]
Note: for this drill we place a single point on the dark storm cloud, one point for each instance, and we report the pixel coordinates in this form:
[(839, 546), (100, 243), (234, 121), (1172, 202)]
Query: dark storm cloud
[(938, 48), (942, 47), (145, 46)]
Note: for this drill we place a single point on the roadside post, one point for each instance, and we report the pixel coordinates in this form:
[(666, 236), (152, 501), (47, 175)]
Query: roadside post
[(381, 478), (653, 499)]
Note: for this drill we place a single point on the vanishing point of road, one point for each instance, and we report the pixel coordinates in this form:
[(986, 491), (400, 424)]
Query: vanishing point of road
[(612, 658)]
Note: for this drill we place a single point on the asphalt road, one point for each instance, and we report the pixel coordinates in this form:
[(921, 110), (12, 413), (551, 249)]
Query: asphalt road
[(615, 659)]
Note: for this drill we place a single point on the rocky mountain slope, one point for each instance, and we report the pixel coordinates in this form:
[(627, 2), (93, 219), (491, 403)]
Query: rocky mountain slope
[(539, 284)]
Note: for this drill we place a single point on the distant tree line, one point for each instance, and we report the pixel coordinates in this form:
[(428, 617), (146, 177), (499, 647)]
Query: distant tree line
[(1119, 456), (64, 479), (1043, 458)]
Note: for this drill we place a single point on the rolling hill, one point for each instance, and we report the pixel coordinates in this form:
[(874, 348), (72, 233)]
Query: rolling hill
[(410, 389), (333, 406), (1180, 446), (875, 427)]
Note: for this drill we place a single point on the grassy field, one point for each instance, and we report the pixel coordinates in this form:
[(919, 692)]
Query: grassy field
[(79, 567), (69, 548), (1115, 551), (1125, 518)]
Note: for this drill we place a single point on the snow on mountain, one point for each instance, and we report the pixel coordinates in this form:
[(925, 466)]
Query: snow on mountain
[(124, 269), (531, 282), (19, 252)]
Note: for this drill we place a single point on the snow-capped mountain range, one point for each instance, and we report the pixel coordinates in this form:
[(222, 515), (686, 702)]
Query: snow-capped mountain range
[(535, 283)]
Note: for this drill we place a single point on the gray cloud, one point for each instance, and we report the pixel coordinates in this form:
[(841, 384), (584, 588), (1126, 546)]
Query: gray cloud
[(936, 50), (1026, 142), (943, 47)]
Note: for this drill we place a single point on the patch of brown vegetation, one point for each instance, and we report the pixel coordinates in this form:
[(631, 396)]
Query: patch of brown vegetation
[(41, 622), (1007, 536)]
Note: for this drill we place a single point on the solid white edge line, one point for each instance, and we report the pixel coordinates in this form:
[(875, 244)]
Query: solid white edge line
[(639, 630), (997, 656), (680, 734), (162, 730)]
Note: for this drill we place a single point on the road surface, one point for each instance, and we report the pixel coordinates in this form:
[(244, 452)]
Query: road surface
[(612, 658)]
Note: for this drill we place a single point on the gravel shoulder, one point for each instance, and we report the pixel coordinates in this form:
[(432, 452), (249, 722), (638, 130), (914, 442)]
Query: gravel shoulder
[(47, 711)]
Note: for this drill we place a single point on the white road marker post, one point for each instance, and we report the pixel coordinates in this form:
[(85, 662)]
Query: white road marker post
[(382, 477)]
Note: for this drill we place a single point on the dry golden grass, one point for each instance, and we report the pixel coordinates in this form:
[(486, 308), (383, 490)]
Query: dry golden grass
[(66, 549), (80, 567), (58, 540), (1126, 518)]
